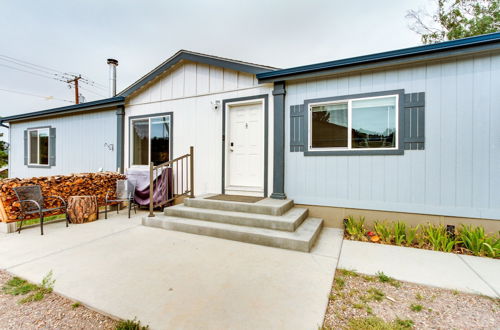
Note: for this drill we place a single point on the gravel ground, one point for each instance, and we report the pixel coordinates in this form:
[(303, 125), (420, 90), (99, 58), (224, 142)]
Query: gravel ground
[(52, 312), (356, 296)]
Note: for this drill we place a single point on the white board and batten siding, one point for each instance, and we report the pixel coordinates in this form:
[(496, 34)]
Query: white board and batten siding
[(458, 173), (80, 146), (187, 91)]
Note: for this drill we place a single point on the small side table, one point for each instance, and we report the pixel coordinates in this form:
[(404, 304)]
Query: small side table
[(83, 209)]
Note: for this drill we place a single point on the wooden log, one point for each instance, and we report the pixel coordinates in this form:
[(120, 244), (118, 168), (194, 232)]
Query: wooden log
[(82, 209), (86, 184)]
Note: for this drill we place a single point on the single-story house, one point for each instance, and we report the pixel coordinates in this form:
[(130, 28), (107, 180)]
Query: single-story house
[(405, 134)]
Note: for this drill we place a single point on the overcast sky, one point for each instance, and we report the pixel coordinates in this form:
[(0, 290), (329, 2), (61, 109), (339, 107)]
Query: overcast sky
[(78, 36)]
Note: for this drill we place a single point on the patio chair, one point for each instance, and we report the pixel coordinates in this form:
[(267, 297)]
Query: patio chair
[(32, 201), (125, 191)]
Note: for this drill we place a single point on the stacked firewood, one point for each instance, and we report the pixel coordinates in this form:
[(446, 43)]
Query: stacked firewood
[(86, 184)]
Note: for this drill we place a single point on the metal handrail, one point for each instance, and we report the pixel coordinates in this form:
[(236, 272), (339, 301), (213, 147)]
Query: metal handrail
[(184, 178)]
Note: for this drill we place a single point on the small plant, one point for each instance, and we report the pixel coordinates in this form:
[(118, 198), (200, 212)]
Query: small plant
[(131, 325), (355, 228), (406, 324), (339, 283), (383, 278), (383, 230), (439, 239), (17, 286), (375, 294), (399, 232), (76, 305), (476, 241), (418, 296), (358, 305), (411, 235), (416, 307), (386, 279), (376, 323)]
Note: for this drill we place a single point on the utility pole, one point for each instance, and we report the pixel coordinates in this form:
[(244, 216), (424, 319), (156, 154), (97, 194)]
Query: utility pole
[(75, 80)]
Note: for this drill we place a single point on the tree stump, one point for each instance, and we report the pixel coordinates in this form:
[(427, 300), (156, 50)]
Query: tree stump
[(82, 208)]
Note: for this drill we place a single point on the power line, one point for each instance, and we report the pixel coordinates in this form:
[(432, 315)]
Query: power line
[(29, 63), (31, 72), (35, 95), (88, 90)]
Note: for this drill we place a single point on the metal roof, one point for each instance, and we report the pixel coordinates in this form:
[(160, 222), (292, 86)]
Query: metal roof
[(445, 46), (88, 106)]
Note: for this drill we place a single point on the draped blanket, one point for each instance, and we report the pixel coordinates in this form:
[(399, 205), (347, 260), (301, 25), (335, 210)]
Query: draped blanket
[(162, 185)]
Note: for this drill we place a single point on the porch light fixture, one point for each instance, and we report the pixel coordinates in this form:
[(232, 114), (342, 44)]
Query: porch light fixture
[(216, 105)]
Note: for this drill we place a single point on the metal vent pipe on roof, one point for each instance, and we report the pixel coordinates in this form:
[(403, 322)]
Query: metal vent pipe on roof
[(112, 76)]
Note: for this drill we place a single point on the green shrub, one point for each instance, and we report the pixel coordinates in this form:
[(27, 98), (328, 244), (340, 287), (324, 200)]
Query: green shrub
[(355, 228), (376, 323), (383, 230), (439, 239), (476, 241), (399, 232), (411, 235), (131, 325)]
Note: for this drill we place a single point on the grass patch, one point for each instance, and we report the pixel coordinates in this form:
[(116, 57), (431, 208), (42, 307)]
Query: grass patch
[(375, 294), (36, 221), (348, 273), (131, 325), (418, 296), (368, 278), (416, 307), (76, 305), (358, 305), (387, 279), (339, 283), (17, 286), (376, 323)]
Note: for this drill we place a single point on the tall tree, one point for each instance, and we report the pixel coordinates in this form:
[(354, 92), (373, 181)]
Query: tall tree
[(455, 19)]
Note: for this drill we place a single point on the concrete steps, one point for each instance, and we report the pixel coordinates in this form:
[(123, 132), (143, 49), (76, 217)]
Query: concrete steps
[(300, 240), (268, 222), (288, 221)]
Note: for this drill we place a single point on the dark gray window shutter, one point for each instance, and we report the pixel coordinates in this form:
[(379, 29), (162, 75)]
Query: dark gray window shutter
[(414, 121), (52, 146), (298, 129), (26, 147)]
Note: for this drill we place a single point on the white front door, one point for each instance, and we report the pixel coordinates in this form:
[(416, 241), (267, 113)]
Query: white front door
[(245, 148)]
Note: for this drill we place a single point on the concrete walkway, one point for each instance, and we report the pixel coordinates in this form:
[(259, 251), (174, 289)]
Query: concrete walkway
[(445, 270), (173, 280)]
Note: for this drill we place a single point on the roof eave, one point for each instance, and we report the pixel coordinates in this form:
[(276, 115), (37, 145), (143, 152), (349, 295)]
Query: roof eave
[(404, 56), (193, 57), (82, 107)]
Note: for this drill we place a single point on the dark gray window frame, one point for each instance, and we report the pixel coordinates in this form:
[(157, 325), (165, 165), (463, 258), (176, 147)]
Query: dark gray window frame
[(52, 151), (351, 152), (171, 137), (266, 135)]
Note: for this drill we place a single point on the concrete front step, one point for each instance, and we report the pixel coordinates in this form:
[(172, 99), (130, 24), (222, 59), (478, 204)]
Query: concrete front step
[(266, 206), (287, 222), (300, 240)]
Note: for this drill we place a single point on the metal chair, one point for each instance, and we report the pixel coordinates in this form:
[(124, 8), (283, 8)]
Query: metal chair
[(125, 191), (31, 201)]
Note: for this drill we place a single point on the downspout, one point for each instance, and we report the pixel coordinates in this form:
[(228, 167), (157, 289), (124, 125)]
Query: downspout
[(120, 138), (279, 93)]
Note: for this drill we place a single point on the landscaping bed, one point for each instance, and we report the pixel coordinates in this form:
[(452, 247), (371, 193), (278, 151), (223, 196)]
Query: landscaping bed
[(40, 308), (379, 302), (469, 239)]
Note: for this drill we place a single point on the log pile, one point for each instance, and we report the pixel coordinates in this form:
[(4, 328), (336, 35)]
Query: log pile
[(86, 184)]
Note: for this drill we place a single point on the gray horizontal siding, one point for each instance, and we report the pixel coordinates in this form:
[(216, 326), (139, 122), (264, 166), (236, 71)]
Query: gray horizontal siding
[(458, 173), (79, 144)]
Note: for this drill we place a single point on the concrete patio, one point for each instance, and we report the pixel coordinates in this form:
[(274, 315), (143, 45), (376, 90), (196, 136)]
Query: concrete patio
[(174, 280)]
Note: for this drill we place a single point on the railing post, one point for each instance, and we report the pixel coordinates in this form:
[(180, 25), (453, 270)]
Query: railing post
[(191, 171), (151, 191)]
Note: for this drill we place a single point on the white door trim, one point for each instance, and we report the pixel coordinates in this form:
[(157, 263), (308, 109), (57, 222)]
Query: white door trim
[(260, 190)]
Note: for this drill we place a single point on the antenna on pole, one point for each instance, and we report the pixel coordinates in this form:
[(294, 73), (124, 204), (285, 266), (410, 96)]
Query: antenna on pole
[(75, 81)]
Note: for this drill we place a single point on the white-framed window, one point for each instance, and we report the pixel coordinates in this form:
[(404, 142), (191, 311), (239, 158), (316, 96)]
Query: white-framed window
[(150, 140), (38, 146), (354, 124)]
